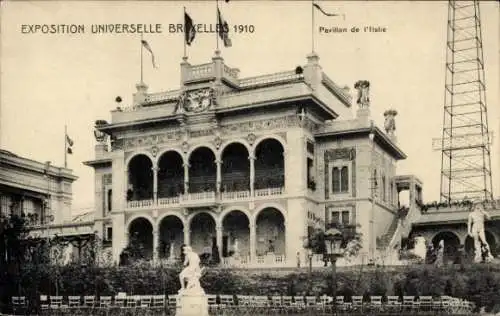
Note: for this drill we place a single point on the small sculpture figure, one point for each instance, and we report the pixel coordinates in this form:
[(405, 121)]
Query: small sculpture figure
[(363, 87), (475, 229), (191, 273), (390, 122), (440, 254)]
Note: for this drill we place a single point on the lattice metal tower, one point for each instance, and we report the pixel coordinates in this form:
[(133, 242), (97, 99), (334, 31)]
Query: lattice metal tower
[(465, 145)]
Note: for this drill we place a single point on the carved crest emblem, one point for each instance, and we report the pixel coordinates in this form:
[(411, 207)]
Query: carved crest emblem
[(217, 142), (251, 138), (185, 147), (196, 100), (154, 151)]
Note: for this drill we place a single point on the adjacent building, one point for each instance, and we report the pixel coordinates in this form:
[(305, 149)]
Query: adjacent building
[(42, 193)]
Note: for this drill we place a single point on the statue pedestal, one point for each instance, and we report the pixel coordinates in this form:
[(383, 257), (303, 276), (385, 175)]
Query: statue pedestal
[(192, 305)]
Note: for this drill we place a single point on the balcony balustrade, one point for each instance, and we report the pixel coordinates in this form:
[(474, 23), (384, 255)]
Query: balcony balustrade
[(206, 197)]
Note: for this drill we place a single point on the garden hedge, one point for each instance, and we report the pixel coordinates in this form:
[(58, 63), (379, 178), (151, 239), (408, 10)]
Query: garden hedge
[(478, 283)]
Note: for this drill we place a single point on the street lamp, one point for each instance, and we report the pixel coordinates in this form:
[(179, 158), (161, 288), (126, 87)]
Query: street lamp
[(333, 245), (309, 257)]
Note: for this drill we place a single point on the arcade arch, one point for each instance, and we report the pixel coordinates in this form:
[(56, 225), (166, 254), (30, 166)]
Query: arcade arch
[(140, 178), (269, 164), (235, 169), (140, 232), (270, 232), (202, 170)]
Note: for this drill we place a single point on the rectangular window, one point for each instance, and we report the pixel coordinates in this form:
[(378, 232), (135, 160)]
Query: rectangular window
[(384, 193), (109, 233), (345, 217), (335, 217), (341, 216), (311, 181)]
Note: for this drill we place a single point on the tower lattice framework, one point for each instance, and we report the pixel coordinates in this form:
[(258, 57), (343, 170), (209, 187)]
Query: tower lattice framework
[(465, 143)]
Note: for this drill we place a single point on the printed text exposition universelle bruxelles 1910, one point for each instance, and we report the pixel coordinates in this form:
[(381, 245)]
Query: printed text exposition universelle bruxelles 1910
[(121, 28)]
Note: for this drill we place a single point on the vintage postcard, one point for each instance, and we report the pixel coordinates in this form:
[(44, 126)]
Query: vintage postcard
[(222, 157)]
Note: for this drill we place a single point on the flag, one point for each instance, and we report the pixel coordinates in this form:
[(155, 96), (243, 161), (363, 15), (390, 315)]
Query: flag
[(323, 11), (148, 48), (189, 30), (223, 30), (69, 144)]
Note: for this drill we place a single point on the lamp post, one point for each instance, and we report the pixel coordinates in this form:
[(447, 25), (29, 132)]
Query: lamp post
[(333, 245), (309, 257)]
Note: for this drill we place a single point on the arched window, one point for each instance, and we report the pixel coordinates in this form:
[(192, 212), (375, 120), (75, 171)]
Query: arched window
[(340, 179), (344, 179), (336, 180)]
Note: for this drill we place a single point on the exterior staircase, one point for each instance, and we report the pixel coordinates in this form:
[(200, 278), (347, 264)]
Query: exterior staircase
[(386, 239)]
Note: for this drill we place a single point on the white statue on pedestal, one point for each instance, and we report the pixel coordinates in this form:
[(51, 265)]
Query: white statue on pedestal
[(420, 247), (191, 273), (475, 229)]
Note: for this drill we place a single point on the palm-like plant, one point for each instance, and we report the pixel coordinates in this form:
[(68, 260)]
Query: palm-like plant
[(351, 239)]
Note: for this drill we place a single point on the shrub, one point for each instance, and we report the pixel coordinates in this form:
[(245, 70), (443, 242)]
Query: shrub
[(478, 283)]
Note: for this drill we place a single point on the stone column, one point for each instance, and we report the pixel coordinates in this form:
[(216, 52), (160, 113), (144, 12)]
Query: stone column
[(155, 184), (253, 243), (218, 231), (156, 242), (120, 235), (251, 158), (218, 182), (186, 178)]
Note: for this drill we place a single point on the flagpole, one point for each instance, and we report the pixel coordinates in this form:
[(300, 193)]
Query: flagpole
[(65, 147), (312, 25), (185, 33), (142, 48), (217, 23)]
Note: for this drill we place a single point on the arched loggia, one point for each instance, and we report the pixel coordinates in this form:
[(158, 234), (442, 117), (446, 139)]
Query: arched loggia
[(140, 239), (202, 170), (140, 178), (270, 230), (269, 164), (170, 175), (235, 169)]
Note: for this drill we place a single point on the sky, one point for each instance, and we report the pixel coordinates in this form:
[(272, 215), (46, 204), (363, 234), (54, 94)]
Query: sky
[(48, 81)]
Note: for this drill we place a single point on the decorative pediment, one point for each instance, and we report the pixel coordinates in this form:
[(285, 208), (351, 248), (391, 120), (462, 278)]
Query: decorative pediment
[(348, 153), (340, 154)]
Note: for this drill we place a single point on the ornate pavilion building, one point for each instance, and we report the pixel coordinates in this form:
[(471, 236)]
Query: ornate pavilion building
[(247, 165)]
